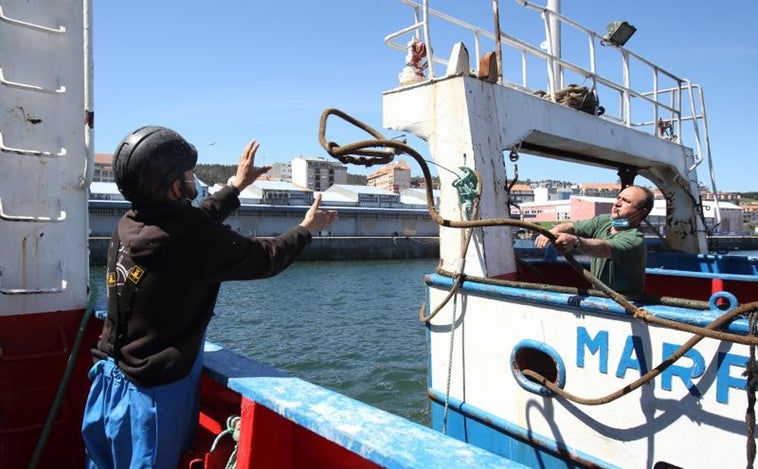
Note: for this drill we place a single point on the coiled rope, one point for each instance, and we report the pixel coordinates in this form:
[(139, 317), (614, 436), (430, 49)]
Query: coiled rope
[(577, 97)]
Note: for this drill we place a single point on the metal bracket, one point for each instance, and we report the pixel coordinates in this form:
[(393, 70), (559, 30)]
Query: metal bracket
[(35, 27), (21, 218), (22, 151), (27, 87), (33, 291)]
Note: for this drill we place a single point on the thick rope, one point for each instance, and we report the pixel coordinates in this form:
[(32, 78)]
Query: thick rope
[(393, 147), (752, 377)]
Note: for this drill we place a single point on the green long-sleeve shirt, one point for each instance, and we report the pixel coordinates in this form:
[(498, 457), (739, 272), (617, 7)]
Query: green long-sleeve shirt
[(624, 271)]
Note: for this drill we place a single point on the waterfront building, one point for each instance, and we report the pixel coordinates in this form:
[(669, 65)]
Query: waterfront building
[(271, 192), (281, 171), (99, 190), (750, 214), (731, 197), (317, 174), (366, 196), (547, 211), (520, 193), (600, 189), (271, 207), (416, 197), (102, 169), (582, 207), (394, 177)]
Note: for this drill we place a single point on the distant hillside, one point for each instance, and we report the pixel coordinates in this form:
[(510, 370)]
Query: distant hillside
[(215, 173)]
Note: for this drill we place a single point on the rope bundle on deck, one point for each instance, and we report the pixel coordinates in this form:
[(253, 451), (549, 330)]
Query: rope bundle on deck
[(577, 97)]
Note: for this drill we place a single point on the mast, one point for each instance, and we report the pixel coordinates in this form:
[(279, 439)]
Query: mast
[(553, 40), (498, 44)]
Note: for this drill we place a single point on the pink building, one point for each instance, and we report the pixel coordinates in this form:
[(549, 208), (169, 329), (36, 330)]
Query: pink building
[(575, 208), (587, 207)]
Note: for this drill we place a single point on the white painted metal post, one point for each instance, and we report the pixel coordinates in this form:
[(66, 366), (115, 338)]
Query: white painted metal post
[(554, 23)]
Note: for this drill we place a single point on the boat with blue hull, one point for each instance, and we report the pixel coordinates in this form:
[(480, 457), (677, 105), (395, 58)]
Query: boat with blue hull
[(535, 359), (531, 362)]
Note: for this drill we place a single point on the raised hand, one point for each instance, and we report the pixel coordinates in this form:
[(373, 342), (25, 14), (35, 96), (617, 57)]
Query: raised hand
[(317, 219), (247, 173)]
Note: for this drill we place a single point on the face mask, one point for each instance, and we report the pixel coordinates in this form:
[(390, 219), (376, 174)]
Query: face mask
[(191, 192), (622, 223)]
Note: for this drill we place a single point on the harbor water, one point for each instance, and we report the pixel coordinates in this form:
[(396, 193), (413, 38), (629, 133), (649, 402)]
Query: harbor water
[(348, 326)]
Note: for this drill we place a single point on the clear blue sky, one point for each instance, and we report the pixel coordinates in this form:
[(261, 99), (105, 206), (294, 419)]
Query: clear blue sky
[(223, 72)]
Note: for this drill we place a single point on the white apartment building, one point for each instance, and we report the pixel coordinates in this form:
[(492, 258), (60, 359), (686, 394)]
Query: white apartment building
[(281, 171), (317, 174)]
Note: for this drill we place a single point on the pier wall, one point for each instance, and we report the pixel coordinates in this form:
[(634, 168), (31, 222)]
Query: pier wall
[(347, 248), (335, 248)]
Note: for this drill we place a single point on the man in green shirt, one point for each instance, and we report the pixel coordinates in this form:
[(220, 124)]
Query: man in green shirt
[(614, 242)]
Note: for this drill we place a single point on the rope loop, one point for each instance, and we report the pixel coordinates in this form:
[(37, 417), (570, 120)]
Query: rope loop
[(233, 424), (346, 154)]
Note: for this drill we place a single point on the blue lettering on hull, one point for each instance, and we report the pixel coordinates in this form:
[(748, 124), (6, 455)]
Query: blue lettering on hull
[(687, 369)]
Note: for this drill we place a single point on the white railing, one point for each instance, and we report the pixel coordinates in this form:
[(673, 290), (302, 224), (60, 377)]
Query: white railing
[(659, 110)]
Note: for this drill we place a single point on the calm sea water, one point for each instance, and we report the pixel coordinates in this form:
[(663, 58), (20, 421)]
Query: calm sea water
[(348, 326)]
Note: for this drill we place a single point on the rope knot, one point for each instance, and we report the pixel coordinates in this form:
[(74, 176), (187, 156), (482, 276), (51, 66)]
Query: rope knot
[(466, 185), (233, 424)]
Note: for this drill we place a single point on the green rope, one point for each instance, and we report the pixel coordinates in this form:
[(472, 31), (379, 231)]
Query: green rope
[(466, 185), (232, 428)]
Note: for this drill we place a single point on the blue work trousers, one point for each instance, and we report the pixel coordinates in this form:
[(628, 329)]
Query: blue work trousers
[(130, 426)]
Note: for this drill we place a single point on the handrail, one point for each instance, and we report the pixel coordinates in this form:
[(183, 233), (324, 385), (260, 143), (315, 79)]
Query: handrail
[(628, 95), (664, 101), (672, 101)]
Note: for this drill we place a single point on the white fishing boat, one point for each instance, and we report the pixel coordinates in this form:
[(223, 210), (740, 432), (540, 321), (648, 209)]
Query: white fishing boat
[(504, 346), (538, 361)]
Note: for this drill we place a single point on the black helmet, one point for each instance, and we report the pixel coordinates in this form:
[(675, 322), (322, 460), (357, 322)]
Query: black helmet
[(148, 160)]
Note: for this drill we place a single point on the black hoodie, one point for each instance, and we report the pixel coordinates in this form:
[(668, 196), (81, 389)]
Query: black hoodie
[(187, 252)]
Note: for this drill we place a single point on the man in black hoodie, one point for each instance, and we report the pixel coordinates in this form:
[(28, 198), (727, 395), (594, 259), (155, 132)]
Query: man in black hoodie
[(166, 262)]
